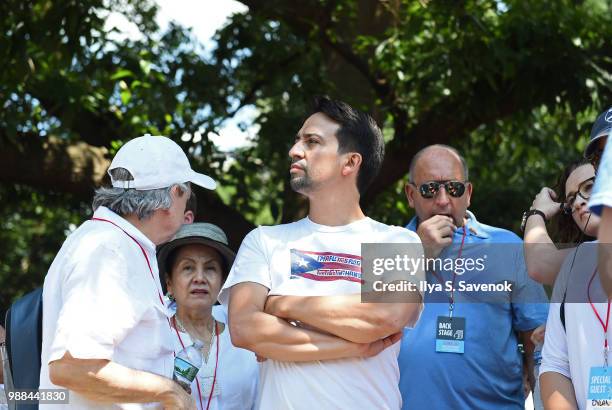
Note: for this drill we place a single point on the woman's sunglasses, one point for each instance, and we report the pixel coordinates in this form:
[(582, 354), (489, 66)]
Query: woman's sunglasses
[(584, 191), (428, 190)]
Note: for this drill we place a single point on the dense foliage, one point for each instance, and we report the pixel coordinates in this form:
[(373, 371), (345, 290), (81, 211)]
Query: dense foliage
[(513, 84)]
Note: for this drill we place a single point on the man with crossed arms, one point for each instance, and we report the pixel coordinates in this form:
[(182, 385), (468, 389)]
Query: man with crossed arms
[(343, 353)]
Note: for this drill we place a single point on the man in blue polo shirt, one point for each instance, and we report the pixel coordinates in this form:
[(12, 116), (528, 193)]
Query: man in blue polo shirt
[(464, 350)]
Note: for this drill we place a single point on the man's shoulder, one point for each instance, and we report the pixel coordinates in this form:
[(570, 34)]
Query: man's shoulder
[(90, 247), (394, 233), (91, 238), (264, 234), (275, 230), (497, 234)]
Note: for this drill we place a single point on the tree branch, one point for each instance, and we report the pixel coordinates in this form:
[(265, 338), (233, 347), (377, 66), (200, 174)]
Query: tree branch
[(441, 125), (52, 164)]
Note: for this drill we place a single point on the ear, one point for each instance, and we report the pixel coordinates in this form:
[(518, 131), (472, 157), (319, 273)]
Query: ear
[(410, 191), (352, 163), (188, 218), (175, 192), (468, 192), (168, 284)]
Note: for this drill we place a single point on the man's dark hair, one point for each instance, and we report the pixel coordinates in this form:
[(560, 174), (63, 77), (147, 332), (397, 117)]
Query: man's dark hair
[(358, 132)]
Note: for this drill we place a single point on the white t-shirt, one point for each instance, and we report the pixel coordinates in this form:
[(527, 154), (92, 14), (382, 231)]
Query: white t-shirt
[(602, 189), (278, 257), (101, 302), (574, 350), (237, 372)]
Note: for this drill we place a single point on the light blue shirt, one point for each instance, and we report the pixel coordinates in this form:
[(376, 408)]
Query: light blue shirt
[(489, 374)]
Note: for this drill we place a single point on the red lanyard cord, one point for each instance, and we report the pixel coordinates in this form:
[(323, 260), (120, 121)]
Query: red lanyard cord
[(216, 365), (603, 325), (161, 299), (212, 389), (451, 297)]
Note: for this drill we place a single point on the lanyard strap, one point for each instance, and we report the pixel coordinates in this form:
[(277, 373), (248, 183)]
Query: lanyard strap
[(451, 305), (603, 325), (212, 389), (144, 253)]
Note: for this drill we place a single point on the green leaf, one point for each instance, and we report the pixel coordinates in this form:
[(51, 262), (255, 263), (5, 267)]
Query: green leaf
[(126, 96), (145, 66), (122, 73)]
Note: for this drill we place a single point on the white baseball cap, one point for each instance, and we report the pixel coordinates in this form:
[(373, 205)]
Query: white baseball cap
[(156, 162)]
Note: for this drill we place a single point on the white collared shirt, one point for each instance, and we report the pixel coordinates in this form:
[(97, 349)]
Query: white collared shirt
[(100, 301)]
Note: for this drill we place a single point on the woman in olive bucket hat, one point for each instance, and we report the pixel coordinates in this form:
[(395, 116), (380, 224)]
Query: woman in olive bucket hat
[(193, 267)]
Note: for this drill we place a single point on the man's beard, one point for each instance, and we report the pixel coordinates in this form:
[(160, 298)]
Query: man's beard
[(301, 183)]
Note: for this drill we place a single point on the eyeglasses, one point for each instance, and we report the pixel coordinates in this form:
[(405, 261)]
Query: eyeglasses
[(428, 190), (584, 191)]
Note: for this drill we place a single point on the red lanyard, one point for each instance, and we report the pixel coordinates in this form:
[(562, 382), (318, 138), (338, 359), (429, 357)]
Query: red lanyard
[(451, 305), (161, 299), (143, 252), (212, 389), (604, 326)]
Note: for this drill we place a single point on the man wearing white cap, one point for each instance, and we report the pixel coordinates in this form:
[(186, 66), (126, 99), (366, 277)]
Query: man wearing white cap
[(106, 335)]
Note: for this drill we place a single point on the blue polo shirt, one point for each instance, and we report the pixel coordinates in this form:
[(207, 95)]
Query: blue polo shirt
[(489, 374)]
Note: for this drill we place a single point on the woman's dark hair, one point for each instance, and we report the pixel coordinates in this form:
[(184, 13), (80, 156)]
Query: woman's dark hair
[(567, 232)]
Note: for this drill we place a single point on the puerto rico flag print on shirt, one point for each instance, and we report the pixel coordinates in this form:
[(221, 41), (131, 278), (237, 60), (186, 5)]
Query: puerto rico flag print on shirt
[(325, 266)]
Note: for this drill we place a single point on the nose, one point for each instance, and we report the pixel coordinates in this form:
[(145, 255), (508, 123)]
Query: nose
[(579, 203), (200, 276), (442, 197), (297, 151)]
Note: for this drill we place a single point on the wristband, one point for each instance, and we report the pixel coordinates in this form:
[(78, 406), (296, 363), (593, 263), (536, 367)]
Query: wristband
[(527, 214)]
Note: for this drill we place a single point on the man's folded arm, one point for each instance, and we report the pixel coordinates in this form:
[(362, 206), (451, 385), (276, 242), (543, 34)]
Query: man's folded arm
[(274, 338), (105, 381), (347, 316)]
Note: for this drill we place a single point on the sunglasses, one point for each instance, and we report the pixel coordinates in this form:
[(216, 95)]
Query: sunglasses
[(428, 190), (584, 191)]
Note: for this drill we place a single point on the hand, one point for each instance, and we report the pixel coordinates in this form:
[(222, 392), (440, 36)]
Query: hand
[(537, 336), (260, 359), (180, 400), (374, 348), (436, 233), (545, 201), (274, 305)]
